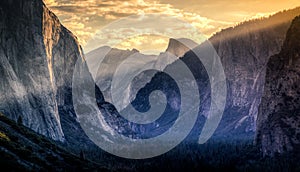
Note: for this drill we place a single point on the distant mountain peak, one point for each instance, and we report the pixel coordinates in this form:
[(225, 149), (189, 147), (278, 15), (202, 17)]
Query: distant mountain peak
[(257, 25), (179, 47), (135, 50)]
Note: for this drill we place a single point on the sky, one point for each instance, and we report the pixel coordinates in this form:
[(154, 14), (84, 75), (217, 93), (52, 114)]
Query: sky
[(118, 23)]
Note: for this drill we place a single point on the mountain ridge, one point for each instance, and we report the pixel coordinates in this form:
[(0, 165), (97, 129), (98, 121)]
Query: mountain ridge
[(112, 58), (244, 51), (22, 149)]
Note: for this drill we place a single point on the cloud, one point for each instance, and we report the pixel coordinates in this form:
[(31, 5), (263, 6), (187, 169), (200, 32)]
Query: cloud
[(154, 43), (145, 24), (50, 2), (231, 10), (86, 17)]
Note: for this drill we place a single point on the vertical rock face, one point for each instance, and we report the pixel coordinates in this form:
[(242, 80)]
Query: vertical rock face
[(63, 51), (278, 128), (244, 51), (37, 57)]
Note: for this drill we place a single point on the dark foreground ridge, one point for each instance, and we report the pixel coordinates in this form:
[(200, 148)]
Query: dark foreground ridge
[(23, 150)]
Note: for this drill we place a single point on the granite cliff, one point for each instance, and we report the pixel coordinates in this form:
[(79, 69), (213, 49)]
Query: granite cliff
[(244, 51), (37, 58), (278, 129)]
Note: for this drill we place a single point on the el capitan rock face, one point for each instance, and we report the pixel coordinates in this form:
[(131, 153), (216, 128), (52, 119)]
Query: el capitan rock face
[(37, 58), (278, 128)]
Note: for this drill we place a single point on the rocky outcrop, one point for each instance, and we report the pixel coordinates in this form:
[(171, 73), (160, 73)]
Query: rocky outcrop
[(278, 128), (37, 58)]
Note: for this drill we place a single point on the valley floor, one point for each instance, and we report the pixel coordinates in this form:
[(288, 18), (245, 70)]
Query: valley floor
[(23, 150)]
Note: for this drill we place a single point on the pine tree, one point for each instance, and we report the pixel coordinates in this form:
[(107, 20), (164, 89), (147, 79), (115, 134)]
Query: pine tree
[(82, 157), (20, 120)]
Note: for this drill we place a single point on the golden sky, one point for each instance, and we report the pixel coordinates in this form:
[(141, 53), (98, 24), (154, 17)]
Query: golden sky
[(86, 17)]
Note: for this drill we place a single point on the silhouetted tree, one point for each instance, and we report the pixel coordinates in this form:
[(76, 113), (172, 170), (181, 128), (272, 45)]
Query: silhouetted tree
[(20, 120), (82, 157)]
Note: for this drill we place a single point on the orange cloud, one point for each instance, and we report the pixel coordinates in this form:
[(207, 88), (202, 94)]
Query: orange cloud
[(86, 17)]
